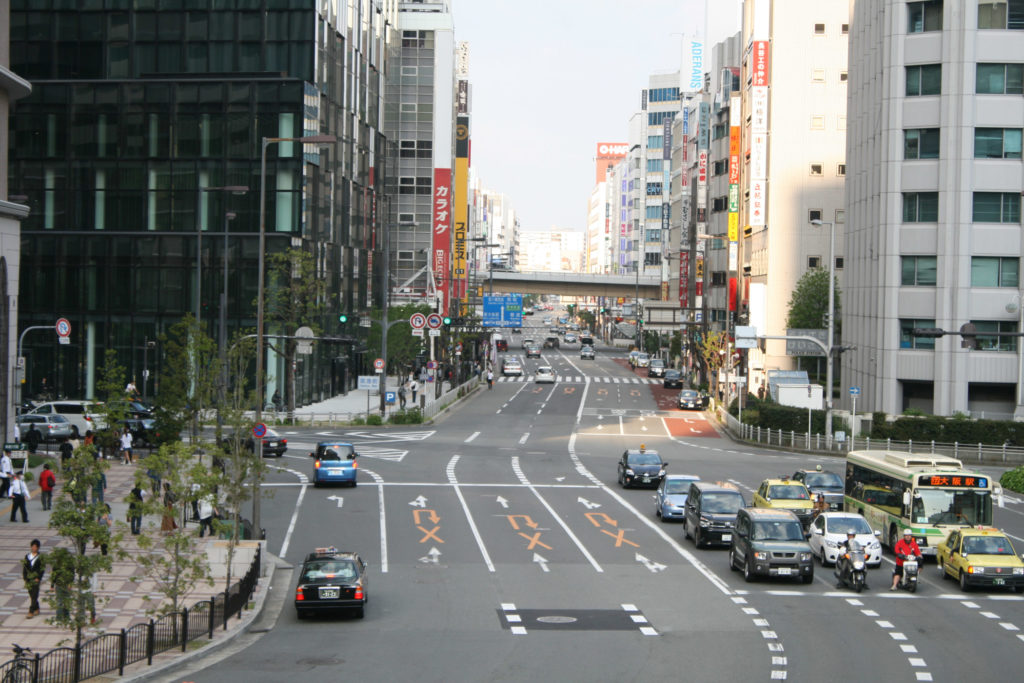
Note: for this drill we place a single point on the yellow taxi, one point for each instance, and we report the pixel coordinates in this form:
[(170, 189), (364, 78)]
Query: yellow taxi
[(980, 556), (786, 494)]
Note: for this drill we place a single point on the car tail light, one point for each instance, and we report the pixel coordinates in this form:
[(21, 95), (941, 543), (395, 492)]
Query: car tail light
[(87, 418), (298, 594), (359, 593), (284, 441), (317, 464), (354, 464)]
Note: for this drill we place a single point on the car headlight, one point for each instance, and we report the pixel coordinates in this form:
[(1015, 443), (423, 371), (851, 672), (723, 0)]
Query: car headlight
[(975, 570), (874, 545), (760, 555), (629, 472), (661, 473), (704, 521), (831, 544), (1018, 571), (805, 557)]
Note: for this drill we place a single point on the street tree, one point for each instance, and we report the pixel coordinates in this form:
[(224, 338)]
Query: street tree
[(402, 346), (80, 524), (296, 296), (172, 559), (111, 405), (188, 380), (588, 320), (712, 348), (808, 306)]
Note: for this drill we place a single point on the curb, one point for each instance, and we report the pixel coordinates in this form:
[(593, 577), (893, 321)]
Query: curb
[(454, 404), (247, 621)]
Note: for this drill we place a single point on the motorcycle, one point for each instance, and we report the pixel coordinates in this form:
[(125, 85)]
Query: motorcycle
[(910, 569), (851, 569)]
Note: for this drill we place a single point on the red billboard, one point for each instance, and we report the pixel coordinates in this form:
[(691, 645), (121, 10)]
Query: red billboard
[(759, 68), (442, 244), (608, 154)]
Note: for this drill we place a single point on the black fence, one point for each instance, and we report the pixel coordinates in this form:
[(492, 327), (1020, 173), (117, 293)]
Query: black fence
[(114, 651)]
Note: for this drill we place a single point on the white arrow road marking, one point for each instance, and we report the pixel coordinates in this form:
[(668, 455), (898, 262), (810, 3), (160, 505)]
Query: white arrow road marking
[(587, 504), (655, 567), (501, 501), (695, 431), (559, 478), (431, 557), (341, 500), (523, 439), (420, 502), (541, 561)]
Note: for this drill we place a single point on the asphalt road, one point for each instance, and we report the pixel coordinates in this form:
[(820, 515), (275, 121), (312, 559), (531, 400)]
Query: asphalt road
[(502, 549)]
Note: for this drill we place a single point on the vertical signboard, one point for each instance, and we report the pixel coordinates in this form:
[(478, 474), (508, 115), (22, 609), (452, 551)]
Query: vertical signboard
[(442, 235), (693, 62), (735, 121), (759, 80), (461, 209)]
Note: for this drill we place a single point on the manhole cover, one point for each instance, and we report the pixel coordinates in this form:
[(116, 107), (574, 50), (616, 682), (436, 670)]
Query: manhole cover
[(557, 620)]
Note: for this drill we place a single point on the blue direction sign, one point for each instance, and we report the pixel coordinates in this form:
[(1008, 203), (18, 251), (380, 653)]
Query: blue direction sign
[(503, 310), (854, 391), (259, 430)]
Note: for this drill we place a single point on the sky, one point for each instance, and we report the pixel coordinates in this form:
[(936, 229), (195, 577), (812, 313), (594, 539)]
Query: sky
[(552, 78)]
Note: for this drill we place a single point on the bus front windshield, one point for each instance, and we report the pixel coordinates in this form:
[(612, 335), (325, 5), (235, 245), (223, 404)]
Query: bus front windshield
[(943, 506)]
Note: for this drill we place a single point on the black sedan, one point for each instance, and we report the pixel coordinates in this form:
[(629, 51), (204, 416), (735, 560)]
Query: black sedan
[(329, 581), (690, 400), (273, 443), (641, 468), (673, 379)]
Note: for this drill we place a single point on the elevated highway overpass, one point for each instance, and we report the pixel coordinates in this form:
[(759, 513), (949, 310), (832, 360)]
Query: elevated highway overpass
[(574, 284)]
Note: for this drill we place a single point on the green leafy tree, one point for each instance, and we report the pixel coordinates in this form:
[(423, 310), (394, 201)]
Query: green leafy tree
[(808, 304), (111, 406), (675, 346), (188, 381), (296, 296), (588, 320), (712, 348), (80, 524), (173, 560), (402, 346)]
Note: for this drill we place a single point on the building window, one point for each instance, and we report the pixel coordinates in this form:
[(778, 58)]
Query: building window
[(408, 107), (814, 215), (840, 216), (719, 131), (841, 170), (817, 76), (918, 271), (410, 70), (996, 343), (406, 218), (653, 189), (719, 167), (819, 29), (405, 255), (907, 338), (653, 236), (817, 122), (996, 207), (654, 165), (655, 118), (407, 185), (920, 207), (843, 75), (655, 141), (997, 143), (999, 79), (652, 258), (921, 143), (924, 16), (718, 278), (816, 169), (719, 204), (840, 262), (1001, 14), (813, 262), (844, 29), (995, 271), (924, 79), (654, 211)]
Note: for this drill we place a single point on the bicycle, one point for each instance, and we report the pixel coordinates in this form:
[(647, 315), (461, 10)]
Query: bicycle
[(22, 670)]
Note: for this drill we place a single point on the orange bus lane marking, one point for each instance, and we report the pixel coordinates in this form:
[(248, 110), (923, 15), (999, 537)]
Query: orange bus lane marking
[(430, 534), (620, 538), (569, 390), (433, 516), (528, 521), (534, 540), (593, 515)]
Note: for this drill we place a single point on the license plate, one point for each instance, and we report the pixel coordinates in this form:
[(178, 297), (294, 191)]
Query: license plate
[(784, 571), (647, 480), (998, 582), (335, 472), (329, 593), (726, 538)]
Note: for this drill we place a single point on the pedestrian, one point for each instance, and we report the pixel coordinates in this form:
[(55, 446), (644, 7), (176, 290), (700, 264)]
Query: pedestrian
[(6, 473), (131, 390), (401, 397), (206, 512), (107, 522), (19, 494), (32, 570), (414, 387), (168, 524), (66, 451), (90, 438), (126, 447), (98, 487), (76, 437), (62, 578), (135, 498), (490, 379), (47, 481), (33, 437)]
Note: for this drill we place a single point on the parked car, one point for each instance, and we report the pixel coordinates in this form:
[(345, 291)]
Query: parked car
[(53, 427), (673, 379), (82, 414)]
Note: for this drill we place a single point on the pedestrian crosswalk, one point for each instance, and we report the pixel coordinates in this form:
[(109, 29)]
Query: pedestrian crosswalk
[(582, 379)]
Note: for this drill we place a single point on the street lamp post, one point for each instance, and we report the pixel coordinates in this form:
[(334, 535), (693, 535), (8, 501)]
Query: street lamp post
[(831, 325), (266, 142)]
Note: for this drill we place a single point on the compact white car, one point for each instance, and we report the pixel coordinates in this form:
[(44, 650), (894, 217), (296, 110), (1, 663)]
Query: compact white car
[(545, 375), (828, 531), (511, 367)]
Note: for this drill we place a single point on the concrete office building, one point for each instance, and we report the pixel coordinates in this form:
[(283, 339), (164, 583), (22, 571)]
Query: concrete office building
[(12, 212), (134, 112), (933, 206), (660, 104)]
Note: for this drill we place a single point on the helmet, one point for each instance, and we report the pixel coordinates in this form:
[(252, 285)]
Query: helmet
[(851, 532), (818, 468), (907, 532)]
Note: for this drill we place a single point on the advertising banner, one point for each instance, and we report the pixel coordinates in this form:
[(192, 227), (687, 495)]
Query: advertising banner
[(442, 229), (461, 210)]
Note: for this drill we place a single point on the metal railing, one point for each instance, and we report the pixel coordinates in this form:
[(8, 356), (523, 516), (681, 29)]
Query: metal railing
[(114, 651), (816, 443)]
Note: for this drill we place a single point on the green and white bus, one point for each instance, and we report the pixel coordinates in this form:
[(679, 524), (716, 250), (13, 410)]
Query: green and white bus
[(931, 494)]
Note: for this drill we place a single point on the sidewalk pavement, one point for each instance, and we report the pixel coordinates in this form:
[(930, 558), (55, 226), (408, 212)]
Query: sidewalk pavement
[(122, 592), (343, 408)]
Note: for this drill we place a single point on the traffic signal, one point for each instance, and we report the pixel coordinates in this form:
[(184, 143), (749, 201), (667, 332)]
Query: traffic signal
[(343, 318), (447, 321), (968, 336)]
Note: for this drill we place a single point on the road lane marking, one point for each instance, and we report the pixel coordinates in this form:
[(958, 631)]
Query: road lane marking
[(379, 480), (295, 512), (472, 436), (525, 436), (450, 471)]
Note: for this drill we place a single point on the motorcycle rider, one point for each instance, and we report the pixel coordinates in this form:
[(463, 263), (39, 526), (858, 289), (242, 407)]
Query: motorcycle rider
[(905, 547), (851, 544)]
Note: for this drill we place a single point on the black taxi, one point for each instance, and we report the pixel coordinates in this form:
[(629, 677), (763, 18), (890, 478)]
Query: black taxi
[(331, 580)]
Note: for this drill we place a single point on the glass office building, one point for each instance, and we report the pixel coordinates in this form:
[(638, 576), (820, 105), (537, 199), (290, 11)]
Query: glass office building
[(138, 107)]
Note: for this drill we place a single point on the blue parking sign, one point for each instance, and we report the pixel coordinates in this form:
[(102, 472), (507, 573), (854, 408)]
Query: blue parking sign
[(389, 397)]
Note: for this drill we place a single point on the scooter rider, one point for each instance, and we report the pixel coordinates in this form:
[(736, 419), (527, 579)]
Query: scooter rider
[(904, 547), (851, 544)]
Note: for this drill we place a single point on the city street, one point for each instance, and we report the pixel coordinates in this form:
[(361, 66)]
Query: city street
[(502, 548)]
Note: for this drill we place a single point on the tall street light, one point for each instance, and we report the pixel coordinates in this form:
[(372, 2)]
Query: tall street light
[(831, 324), (233, 189), (266, 142)]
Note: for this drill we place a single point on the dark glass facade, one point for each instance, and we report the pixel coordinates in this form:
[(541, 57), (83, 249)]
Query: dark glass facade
[(137, 105)]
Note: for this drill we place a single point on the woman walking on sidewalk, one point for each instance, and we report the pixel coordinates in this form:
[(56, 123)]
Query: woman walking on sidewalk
[(126, 447)]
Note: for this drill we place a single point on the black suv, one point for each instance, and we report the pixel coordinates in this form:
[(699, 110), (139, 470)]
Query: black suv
[(711, 513), (770, 542), (824, 482)]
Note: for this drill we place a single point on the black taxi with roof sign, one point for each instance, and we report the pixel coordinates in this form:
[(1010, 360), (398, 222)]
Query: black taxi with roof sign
[(641, 467), (331, 580)]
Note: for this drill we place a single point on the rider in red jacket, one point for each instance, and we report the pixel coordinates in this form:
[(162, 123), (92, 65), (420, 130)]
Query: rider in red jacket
[(905, 546)]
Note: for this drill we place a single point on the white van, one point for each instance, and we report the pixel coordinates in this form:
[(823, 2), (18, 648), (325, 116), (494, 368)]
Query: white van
[(78, 413)]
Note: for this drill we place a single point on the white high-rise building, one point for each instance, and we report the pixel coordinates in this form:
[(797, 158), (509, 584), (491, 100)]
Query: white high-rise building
[(934, 206)]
